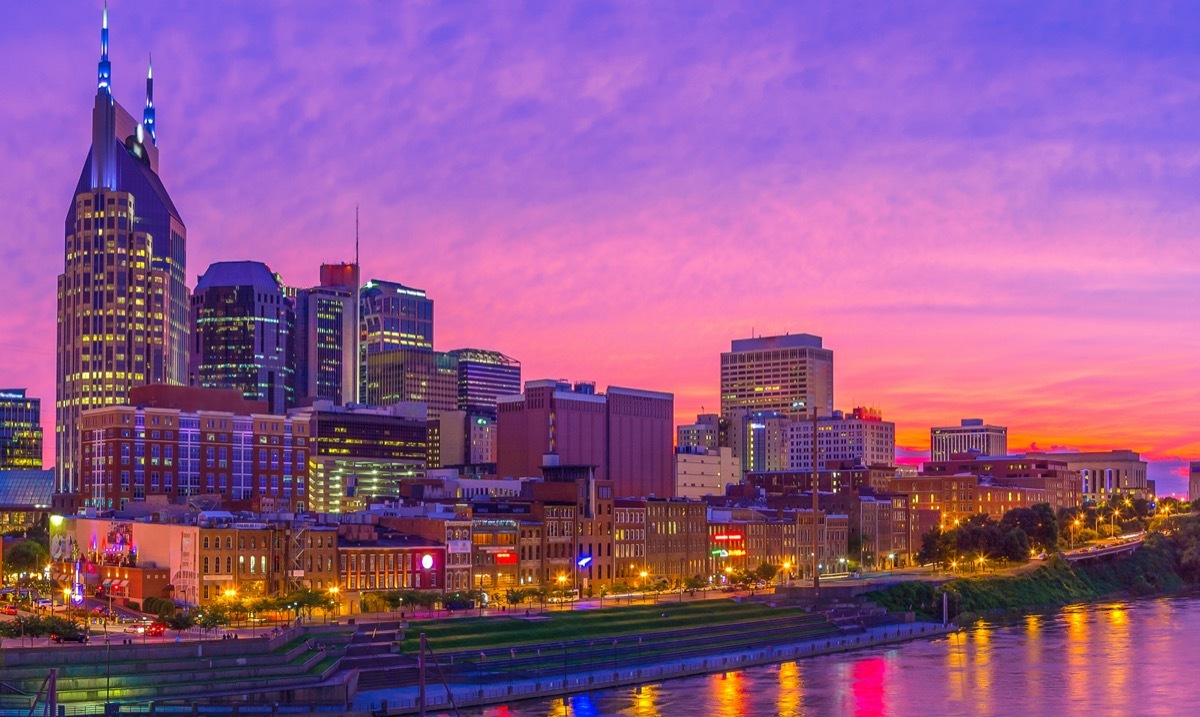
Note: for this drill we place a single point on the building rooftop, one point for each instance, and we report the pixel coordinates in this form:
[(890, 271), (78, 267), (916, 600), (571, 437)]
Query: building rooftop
[(26, 489), (239, 273), (786, 341)]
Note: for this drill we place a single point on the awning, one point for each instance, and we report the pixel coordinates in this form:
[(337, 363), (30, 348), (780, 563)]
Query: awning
[(122, 583), (108, 582)]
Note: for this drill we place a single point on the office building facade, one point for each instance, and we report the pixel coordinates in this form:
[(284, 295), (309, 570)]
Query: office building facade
[(626, 434), (789, 374), (242, 324), (971, 436), (394, 316), (327, 337), (20, 430), (411, 374), (858, 436)]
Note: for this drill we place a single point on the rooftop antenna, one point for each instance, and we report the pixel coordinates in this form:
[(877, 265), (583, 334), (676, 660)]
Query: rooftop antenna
[(356, 235)]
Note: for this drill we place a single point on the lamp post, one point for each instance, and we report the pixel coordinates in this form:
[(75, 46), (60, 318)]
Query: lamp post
[(1113, 522), (787, 566), (644, 574), (1074, 527), (333, 597), (67, 602)]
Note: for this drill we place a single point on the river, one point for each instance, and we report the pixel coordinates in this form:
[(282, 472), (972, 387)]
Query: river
[(1119, 658)]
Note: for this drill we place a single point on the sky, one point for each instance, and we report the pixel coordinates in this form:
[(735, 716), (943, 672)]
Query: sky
[(986, 210)]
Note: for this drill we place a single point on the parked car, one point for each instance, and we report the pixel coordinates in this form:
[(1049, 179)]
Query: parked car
[(135, 629), (8, 610), (69, 637)]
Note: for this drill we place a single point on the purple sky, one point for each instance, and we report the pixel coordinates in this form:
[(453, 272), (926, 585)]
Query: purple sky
[(986, 211)]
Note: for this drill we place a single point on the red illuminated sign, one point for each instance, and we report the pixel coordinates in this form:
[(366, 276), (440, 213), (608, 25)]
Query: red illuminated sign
[(730, 536), (506, 558)]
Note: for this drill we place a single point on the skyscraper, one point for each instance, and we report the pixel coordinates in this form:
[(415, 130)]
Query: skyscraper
[(395, 316), (122, 298), (20, 430), (789, 374), (327, 336), (411, 375), (483, 377), (242, 321)]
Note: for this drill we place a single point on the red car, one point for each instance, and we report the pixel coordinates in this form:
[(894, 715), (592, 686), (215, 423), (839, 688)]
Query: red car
[(8, 610), (156, 629)]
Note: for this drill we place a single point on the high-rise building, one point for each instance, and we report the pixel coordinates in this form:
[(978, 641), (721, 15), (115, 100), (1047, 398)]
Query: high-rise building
[(327, 336), (625, 435), (242, 323), (861, 436), (973, 436), (709, 432), (411, 375), (122, 298), (790, 374), (1194, 481), (483, 377), (394, 316), (20, 430)]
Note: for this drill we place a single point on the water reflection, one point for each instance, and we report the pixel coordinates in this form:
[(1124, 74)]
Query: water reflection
[(645, 701), (728, 696), (1114, 659), (790, 691), (868, 690)]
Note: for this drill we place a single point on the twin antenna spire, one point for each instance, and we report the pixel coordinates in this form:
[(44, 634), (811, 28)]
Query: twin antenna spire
[(104, 79)]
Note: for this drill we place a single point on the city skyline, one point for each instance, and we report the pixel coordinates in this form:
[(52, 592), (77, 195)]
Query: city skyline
[(682, 174)]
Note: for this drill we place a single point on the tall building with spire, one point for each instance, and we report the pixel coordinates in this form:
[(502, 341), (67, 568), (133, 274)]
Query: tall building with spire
[(122, 296)]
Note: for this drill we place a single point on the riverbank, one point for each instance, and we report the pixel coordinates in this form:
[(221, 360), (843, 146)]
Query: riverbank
[(402, 701), (1154, 569)]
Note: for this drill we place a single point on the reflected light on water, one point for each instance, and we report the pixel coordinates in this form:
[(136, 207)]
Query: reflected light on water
[(1117, 641), (955, 662), (1078, 651), (868, 688), (981, 667), (645, 701), (790, 690), (728, 694)]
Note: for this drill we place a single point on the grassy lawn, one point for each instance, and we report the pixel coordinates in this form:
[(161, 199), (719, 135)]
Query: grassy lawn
[(491, 632)]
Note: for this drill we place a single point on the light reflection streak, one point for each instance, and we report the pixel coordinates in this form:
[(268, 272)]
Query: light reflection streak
[(729, 694), (790, 690), (646, 702)]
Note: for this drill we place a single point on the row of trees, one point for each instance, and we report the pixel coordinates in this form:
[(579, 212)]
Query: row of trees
[(1025, 531), (1012, 538), (35, 626)]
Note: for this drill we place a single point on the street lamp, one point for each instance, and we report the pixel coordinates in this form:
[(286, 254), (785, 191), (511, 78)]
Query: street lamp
[(644, 574), (1075, 526), (67, 602), (333, 597), (1113, 522), (787, 566)]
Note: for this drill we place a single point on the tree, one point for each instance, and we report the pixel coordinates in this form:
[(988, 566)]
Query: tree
[(180, 621), (27, 556), (1015, 546), (766, 572), (214, 616), (695, 583)]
